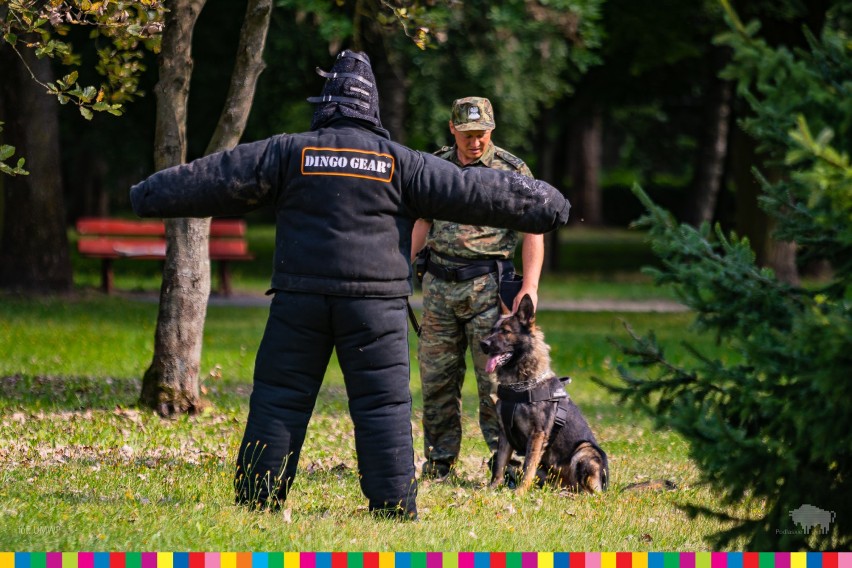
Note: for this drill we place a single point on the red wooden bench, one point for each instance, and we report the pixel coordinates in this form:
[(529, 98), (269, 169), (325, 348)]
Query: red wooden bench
[(110, 239)]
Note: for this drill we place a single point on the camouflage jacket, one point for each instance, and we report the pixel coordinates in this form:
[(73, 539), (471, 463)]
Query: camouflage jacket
[(473, 241)]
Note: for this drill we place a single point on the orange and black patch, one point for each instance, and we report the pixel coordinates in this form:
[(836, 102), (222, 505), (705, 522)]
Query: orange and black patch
[(347, 162)]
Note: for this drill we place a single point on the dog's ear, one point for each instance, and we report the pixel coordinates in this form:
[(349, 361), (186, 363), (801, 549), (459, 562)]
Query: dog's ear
[(504, 309), (526, 311)]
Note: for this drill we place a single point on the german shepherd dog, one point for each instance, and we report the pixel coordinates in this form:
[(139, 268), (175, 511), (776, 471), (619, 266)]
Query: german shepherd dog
[(537, 418)]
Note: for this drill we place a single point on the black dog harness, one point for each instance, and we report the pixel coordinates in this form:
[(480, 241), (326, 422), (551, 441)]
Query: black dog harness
[(551, 390)]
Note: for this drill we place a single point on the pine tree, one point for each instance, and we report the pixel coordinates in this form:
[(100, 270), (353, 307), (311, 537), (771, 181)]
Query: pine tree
[(775, 426)]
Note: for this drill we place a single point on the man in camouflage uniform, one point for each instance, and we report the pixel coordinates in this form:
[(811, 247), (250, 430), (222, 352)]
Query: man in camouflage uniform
[(460, 294)]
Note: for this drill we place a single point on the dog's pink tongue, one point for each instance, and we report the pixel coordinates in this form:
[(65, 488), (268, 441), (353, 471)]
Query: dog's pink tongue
[(491, 364)]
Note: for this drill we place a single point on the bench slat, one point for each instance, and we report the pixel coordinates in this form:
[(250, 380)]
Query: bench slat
[(235, 228), (106, 247)]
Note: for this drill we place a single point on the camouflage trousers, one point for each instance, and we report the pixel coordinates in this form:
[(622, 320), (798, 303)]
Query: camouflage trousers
[(456, 315)]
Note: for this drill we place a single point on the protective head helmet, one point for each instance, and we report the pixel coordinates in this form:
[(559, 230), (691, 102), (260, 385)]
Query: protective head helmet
[(350, 90)]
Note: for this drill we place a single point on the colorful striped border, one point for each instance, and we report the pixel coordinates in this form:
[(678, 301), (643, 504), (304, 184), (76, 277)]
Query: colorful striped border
[(425, 560)]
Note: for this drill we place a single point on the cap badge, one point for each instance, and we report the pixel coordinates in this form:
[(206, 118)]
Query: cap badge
[(473, 113)]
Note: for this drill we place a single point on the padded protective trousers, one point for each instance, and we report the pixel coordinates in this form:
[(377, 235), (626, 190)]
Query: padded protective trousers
[(370, 336)]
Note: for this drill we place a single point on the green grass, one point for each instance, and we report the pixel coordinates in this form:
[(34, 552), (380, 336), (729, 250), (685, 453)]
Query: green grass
[(81, 468)]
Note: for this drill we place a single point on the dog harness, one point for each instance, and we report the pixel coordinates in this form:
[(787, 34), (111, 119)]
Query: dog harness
[(551, 390)]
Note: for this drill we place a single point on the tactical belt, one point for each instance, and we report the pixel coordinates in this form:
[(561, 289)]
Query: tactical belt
[(470, 269)]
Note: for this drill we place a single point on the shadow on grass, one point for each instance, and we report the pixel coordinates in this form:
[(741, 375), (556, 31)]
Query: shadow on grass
[(60, 393)]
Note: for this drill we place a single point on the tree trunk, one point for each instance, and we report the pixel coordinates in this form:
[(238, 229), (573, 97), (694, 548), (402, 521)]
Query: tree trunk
[(171, 384), (751, 220), (546, 149), (585, 163), (713, 148), (34, 253)]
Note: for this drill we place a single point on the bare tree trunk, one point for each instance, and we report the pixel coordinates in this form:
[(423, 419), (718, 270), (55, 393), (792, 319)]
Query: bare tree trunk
[(171, 384), (34, 255), (585, 163), (751, 220), (713, 149), (546, 149)]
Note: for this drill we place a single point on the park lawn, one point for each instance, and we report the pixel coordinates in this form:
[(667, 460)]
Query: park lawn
[(82, 468)]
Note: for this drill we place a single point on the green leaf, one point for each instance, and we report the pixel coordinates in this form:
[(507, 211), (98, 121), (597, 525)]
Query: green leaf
[(87, 113)]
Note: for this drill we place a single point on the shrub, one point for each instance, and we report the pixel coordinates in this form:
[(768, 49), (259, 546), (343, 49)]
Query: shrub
[(773, 428)]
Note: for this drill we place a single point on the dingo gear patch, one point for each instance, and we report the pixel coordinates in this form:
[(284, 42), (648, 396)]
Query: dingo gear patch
[(347, 162)]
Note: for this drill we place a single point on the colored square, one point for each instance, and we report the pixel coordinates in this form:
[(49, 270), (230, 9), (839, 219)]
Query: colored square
[(386, 559), (226, 560), (258, 560), (354, 560), (86, 560), (322, 560), (687, 560), (22, 559), (196, 560), (656, 560), (212, 560), (608, 560), (243, 559), (434, 560), (164, 560), (276, 560), (292, 559), (101, 559), (498, 560), (798, 560), (782, 560), (593, 560), (117, 560), (465, 560), (450, 560), (545, 559), (482, 560), (639, 559), (338, 560), (371, 560), (38, 560), (578, 560), (734, 559), (418, 560), (623, 560), (402, 560), (702, 560), (844, 559), (718, 560), (814, 559), (671, 560), (54, 560), (561, 559), (69, 560), (766, 559)]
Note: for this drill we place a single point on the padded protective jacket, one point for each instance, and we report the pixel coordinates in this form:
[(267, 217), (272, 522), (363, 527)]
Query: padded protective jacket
[(345, 198)]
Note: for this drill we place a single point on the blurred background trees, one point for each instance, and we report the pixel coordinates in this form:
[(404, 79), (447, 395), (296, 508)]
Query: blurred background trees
[(595, 95)]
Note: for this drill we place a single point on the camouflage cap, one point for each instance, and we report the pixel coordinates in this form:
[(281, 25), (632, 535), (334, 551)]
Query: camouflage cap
[(473, 113)]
